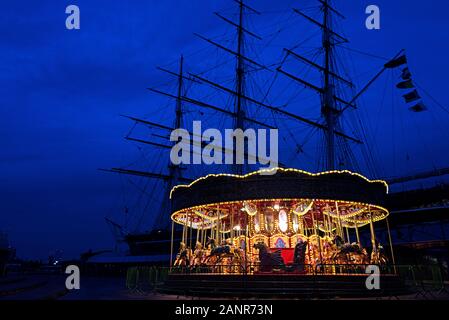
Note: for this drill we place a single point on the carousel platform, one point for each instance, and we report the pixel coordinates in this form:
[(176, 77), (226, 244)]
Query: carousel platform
[(280, 286)]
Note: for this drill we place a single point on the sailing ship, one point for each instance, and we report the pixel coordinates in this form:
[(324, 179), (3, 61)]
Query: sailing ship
[(335, 135), (5, 252)]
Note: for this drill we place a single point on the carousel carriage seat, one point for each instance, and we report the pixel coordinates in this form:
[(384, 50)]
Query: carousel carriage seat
[(286, 253), (281, 242)]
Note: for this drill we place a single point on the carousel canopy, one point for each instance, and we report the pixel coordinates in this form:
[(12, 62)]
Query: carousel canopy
[(284, 184)]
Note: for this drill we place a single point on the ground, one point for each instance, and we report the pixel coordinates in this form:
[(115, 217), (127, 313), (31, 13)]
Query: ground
[(37, 287)]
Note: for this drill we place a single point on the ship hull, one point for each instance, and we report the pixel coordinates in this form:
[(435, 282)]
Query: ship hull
[(4, 258), (153, 243)]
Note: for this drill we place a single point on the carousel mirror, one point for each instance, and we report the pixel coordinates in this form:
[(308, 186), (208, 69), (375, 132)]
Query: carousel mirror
[(269, 220), (257, 223), (283, 220), (295, 220)]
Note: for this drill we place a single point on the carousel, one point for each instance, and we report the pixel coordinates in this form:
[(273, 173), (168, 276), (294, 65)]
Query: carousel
[(287, 221)]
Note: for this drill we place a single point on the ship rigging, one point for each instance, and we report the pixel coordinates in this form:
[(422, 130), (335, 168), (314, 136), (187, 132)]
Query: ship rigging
[(244, 97)]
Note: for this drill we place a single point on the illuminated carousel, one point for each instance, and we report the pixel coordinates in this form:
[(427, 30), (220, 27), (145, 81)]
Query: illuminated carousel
[(289, 221)]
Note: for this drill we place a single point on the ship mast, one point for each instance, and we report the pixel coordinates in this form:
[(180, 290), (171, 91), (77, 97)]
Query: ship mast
[(240, 74), (330, 110), (175, 171), (328, 105)]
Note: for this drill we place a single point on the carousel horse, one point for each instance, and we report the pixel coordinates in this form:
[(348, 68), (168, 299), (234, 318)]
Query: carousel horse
[(222, 254), (338, 241), (378, 256), (225, 248), (299, 255), (350, 253), (269, 260), (198, 256), (183, 256), (328, 249)]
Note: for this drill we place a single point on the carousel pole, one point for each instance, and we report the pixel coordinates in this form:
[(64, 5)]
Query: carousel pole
[(373, 236), (391, 245), (246, 246), (232, 225), (313, 224), (184, 238), (340, 228), (171, 243), (219, 226), (325, 225), (303, 226), (197, 235), (315, 227), (203, 237), (357, 234), (191, 232), (347, 234)]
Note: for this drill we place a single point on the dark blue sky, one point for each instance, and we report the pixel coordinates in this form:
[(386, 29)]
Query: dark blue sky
[(61, 93)]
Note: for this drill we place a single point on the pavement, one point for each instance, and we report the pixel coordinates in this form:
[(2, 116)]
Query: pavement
[(52, 287)]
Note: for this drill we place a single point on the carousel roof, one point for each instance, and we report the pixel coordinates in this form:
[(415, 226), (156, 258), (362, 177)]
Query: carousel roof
[(283, 184)]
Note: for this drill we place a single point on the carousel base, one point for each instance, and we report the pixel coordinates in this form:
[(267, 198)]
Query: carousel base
[(281, 285)]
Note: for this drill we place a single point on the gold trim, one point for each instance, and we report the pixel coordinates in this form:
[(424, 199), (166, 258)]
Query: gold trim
[(275, 170)]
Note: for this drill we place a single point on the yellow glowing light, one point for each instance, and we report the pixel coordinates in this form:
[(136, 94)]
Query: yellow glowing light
[(382, 212), (249, 208), (266, 171), (204, 216), (303, 211)]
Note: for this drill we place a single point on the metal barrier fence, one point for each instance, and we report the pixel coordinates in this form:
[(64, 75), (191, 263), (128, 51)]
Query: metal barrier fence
[(144, 278), (420, 279)]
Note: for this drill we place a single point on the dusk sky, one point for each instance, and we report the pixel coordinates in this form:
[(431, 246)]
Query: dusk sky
[(62, 92)]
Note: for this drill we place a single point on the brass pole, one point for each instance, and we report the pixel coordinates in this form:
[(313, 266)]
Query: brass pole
[(357, 234), (391, 245), (191, 232), (219, 226), (171, 243), (246, 247), (340, 229), (331, 225), (304, 225), (313, 223), (232, 225), (318, 237), (373, 236), (347, 234), (184, 230)]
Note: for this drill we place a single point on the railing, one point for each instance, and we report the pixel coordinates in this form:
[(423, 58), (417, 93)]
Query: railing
[(423, 280), (145, 278), (250, 269)]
